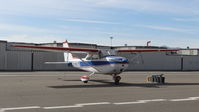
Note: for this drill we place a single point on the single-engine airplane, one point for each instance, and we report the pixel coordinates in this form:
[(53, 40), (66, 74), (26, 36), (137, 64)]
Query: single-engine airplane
[(97, 61)]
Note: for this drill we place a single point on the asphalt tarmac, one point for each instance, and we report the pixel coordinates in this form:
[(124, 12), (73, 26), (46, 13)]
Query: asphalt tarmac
[(64, 92)]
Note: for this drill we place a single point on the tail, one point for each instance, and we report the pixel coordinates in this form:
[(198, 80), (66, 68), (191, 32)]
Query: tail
[(68, 57)]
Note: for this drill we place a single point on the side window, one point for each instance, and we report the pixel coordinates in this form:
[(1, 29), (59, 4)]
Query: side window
[(95, 56), (100, 54), (92, 56)]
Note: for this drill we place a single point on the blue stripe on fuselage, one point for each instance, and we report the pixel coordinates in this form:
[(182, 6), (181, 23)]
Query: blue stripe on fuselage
[(99, 63)]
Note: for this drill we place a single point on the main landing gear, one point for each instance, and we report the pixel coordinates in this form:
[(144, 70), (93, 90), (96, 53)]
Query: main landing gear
[(117, 79)]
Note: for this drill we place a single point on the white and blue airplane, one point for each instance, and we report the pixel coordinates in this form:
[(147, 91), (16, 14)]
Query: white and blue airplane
[(97, 61)]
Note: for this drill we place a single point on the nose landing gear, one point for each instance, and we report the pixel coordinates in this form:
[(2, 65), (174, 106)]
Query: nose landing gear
[(84, 79)]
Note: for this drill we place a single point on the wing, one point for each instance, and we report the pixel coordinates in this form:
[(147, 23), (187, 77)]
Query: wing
[(55, 49), (146, 50)]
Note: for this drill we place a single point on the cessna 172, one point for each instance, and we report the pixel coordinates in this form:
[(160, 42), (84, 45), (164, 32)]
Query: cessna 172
[(97, 61)]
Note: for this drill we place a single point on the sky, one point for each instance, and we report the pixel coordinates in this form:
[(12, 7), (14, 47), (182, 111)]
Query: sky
[(172, 23)]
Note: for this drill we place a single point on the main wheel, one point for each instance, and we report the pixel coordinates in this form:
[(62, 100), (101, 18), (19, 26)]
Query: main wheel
[(117, 80)]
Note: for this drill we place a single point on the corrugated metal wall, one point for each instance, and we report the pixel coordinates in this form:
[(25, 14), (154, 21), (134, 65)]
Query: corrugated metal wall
[(190, 62), (23, 59), (153, 61), (39, 59), (18, 60), (2, 55)]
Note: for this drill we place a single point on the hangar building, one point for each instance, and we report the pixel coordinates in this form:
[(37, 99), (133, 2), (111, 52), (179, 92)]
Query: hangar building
[(19, 59)]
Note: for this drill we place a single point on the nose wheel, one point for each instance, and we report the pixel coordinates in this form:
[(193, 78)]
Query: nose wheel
[(117, 79), (84, 79)]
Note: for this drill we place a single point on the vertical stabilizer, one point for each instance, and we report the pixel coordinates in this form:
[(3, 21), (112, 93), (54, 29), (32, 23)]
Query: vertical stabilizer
[(68, 57)]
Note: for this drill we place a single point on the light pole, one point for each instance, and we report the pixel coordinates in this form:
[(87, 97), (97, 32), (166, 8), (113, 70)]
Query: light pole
[(148, 42), (111, 40)]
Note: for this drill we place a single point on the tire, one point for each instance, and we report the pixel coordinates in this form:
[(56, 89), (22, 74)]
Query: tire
[(85, 81), (117, 80)]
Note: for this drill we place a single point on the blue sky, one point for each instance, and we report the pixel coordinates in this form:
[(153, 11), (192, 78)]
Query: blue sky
[(173, 23)]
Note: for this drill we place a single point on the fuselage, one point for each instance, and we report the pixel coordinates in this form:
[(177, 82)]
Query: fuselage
[(107, 65)]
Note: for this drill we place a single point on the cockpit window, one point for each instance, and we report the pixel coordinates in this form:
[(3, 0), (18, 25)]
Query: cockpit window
[(100, 54), (105, 53), (92, 56)]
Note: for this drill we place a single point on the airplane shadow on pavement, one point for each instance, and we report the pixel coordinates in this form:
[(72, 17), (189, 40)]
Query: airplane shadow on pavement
[(107, 83)]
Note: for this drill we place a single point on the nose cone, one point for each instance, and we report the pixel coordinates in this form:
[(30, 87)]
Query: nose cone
[(117, 59), (125, 60)]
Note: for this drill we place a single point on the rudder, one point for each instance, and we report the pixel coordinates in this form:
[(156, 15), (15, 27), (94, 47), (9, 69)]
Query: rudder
[(68, 57)]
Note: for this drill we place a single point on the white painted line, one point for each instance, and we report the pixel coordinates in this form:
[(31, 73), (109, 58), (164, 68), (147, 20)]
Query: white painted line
[(77, 105), (127, 103), (90, 104), (197, 98), (19, 108), (99, 103), (139, 102), (187, 99), (63, 107)]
